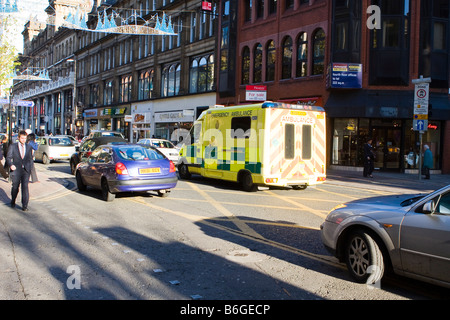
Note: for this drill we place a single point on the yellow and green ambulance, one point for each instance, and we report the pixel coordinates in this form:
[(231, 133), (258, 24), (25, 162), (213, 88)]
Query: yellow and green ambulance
[(270, 143)]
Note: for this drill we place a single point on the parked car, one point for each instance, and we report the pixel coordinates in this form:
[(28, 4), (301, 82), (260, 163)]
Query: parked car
[(53, 148), (105, 133), (165, 146), (83, 152), (74, 140), (408, 234), (126, 168)]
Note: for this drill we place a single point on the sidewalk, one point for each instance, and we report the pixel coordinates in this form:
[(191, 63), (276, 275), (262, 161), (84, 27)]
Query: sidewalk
[(46, 186), (388, 181)]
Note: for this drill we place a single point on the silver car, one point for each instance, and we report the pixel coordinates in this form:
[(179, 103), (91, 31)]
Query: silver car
[(54, 148), (408, 234)]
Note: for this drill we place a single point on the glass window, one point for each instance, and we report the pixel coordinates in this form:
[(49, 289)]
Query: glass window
[(306, 142), (391, 33), (286, 71), (246, 65), (319, 52), (145, 85), (289, 141), (257, 63), (240, 127), (345, 142), (270, 61), (302, 55)]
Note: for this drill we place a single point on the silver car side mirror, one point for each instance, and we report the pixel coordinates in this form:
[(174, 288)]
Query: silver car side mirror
[(429, 207)]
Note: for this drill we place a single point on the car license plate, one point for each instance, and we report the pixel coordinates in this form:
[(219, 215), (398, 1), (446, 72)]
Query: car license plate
[(63, 155), (149, 170)]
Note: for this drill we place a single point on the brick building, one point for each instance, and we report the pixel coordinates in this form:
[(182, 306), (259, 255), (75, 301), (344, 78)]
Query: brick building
[(354, 61)]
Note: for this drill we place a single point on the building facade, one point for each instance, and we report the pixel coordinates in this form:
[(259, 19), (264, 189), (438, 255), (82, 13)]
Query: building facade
[(140, 85), (356, 58)]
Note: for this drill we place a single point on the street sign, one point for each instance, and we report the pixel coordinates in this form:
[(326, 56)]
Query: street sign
[(20, 103), (421, 116), (421, 91), (420, 125)]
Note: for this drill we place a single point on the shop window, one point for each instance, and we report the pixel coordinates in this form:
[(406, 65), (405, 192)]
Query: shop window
[(345, 142)]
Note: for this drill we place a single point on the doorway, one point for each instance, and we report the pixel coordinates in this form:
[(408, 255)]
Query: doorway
[(387, 147)]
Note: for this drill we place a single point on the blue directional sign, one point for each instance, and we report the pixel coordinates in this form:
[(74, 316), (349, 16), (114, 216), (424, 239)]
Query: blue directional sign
[(420, 125)]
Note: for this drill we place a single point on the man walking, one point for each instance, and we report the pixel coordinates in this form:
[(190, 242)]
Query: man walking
[(20, 161)]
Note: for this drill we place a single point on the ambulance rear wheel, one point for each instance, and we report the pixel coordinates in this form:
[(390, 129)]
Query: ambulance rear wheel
[(246, 182), (300, 187), (184, 171)]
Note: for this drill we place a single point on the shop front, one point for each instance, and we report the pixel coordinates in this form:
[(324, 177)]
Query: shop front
[(353, 120), (141, 121), (174, 125)]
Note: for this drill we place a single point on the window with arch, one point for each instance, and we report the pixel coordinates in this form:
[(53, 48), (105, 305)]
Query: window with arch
[(319, 52), (302, 56), (170, 80), (270, 61), (145, 85), (126, 88), (286, 69), (245, 65), (201, 74), (108, 96), (257, 63)]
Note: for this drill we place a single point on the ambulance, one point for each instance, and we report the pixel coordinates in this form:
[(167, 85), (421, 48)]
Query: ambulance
[(265, 144)]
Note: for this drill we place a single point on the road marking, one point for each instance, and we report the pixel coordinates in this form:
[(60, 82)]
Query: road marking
[(252, 236), (242, 226), (297, 204)]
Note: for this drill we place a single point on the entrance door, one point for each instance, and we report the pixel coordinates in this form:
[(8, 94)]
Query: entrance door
[(387, 142)]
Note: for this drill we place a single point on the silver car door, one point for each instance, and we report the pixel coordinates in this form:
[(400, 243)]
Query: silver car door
[(425, 241)]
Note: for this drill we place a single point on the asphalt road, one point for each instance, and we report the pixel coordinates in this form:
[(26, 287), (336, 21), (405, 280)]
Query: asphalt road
[(206, 241)]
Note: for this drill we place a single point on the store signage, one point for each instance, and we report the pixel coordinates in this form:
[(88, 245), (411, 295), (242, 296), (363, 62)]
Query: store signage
[(206, 5), (345, 75), (113, 111), (90, 113), (176, 116), (256, 93)]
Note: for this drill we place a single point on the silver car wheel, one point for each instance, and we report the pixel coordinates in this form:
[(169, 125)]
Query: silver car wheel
[(364, 258)]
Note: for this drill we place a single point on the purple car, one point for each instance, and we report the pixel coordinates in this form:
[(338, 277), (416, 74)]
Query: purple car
[(126, 168)]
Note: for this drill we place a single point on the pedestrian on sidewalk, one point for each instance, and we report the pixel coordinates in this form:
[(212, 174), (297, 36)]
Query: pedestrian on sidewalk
[(3, 171), (31, 140), (427, 161), (369, 158), (20, 160)]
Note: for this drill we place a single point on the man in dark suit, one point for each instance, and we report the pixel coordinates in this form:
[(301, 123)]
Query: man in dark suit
[(20, 161)]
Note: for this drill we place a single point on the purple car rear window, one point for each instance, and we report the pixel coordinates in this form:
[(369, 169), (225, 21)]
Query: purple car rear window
[(138, 153)]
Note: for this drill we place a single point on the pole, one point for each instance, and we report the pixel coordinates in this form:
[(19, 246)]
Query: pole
[(420, 154)]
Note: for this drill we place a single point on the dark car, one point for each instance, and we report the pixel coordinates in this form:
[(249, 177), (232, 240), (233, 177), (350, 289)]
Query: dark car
[(85, 149), (116, 168)]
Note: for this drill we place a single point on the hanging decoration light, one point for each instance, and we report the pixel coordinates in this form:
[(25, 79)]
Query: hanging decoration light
[(7, 7), (134, 25), (28, 74)]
